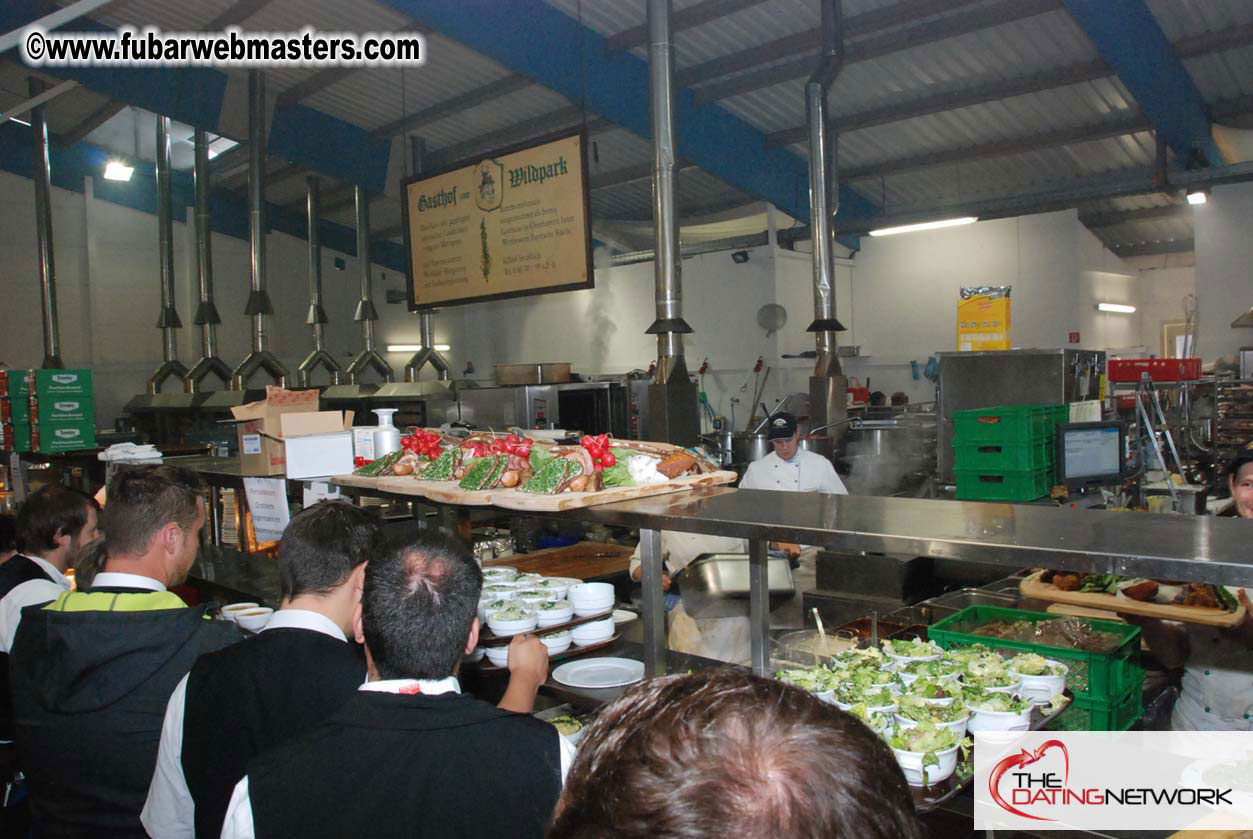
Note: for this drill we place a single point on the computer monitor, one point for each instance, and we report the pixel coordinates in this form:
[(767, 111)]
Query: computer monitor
[(1090, 453)]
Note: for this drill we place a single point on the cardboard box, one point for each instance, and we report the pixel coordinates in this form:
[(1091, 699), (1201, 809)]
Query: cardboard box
[(63, 409), (260, 431), (318, 444), (984, 323), (63, 437), (49, 384), (15, 437), (15, 410), (15, 384)]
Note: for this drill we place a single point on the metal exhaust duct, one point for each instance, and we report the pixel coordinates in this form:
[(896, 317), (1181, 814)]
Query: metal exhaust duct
[(169, 320), (43, 233), (828, 388), (428, 354), (258, 307), (316, 318), (672, 396), (366, 313), (207, 317)]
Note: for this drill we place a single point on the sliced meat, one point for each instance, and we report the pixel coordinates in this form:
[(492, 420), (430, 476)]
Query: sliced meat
[(1068, 582), (1144, 590), (676, 464), (1202, 594)]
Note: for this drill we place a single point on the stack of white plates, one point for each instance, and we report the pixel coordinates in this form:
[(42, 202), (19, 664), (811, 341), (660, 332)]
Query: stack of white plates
[(591, 598), (587, 634)]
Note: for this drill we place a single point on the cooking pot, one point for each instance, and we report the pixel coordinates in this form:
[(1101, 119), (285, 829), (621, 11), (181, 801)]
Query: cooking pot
[(748, 447), (819, 444)]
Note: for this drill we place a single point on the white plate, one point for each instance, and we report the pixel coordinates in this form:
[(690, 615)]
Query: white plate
[(623, 616), (600, 673)]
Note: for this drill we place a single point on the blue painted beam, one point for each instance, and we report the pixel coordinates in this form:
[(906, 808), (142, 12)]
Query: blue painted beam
[(194, 96), (229, 212), (540, 42), (1130, 40)]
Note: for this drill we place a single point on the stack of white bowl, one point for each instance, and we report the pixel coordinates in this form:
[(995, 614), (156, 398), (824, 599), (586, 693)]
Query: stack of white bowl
[(591, 598), (557, 642), (503, 628), (559, 612), (587, 634)]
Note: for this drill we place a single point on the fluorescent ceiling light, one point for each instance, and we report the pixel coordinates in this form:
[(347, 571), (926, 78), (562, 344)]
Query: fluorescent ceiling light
[(116, 170), (1116, 307), (1197, 198), (414, 347), (18, 121), (926, 225)]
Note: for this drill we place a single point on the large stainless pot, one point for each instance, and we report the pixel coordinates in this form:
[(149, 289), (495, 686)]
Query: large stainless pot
[(883, 456), (748, 447), (819, 444)]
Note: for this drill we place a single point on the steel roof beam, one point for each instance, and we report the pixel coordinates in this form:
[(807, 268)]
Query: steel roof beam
[(449, 107), (1096, 221), (898, 40), (239, 12), (97, 118), (1129, 38), (681, 19), (557, 120), (320, 80), (1154, 248)]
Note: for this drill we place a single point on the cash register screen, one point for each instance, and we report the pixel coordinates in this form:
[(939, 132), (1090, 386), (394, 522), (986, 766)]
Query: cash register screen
[(1090, 452)]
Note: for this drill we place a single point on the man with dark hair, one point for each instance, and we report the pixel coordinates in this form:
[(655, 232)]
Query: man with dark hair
[(723, 753), (454, 766), (52, 528), (88, 719)]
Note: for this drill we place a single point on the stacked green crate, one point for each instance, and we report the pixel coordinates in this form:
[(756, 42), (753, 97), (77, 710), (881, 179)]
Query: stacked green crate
[(1006, 452), (15, 410), (1106, 686), (62, 410)]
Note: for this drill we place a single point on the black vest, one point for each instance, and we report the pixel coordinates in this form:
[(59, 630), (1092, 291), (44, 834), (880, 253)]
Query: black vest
[(249, 698), (388, 765), (19, 569)]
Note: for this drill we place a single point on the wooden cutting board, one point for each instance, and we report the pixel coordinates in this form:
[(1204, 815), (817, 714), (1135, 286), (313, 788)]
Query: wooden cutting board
[(1032, 587), (581, 561)]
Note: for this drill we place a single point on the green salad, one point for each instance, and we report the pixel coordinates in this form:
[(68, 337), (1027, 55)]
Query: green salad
[(512, 613), (930, 739), (552, 605), (854, 659), (926, 688), (1030, 664), (497, 605), (919, 710), (566, 725), (988, 672), (963, 655), (931, 669), (532, 594), (496, 589), (1001, 703), (865, 678), (812, 679), (912, 648), (876, 720), (875, 698)]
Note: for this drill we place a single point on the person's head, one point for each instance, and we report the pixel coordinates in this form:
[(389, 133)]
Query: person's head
[(55, 523), (152, 522), (1240, 480), (8, 537), (322, 557), (723, 753), (783, 435), (419, 608)]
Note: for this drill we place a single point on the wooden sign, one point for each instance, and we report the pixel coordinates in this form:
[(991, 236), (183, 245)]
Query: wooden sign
[(511, 223)]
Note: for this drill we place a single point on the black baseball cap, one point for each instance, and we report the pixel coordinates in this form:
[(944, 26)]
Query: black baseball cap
[(781, 427)]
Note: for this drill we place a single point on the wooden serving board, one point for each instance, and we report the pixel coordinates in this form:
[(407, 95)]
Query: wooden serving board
[(1032, 587), (444, 492), (512, 499)]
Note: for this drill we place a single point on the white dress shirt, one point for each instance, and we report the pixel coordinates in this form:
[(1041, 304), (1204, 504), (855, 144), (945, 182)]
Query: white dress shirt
[(120, 579), (170, 811), (29, 593), (239, 824), (806, 472)]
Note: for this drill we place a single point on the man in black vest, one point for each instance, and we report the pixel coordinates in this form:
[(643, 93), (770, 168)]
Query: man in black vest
[(408, 754), (88, 719)]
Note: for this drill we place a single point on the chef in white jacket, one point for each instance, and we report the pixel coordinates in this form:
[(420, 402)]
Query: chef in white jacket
[(789, 467)]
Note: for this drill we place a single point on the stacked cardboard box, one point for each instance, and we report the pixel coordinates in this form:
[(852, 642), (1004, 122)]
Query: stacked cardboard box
[(47, 410)]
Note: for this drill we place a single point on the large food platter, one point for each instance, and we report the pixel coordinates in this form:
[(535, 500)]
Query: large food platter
[(448, 492), (1034, 588)]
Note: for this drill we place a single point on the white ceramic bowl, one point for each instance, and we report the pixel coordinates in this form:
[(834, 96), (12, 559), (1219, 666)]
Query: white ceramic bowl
[(255, 619), (828, 696), (901, 661), (558, 642), (477, 655), (528, 579), (552, 617), (502, 573), (1041, 689), (515, 627), (498, 655), (998, 720), (590, 593), (498, 591), (532, 596), (1005, 689), (559, 588), (911, 765), (584, 635), (228, 612), (584, 611), (488, 606), (958, 726), (871, 709)]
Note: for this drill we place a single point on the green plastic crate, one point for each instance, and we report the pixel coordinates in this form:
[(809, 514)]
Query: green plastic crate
[(1003, 457), (1085, 714), (1007, 424), (1092, 676), (1003, 485)]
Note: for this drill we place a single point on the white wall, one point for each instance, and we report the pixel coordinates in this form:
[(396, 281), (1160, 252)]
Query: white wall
[(1224, 269), (1162, 291)]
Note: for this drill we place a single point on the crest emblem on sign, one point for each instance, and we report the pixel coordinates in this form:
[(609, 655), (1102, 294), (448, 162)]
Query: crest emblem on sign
[(489, 187)]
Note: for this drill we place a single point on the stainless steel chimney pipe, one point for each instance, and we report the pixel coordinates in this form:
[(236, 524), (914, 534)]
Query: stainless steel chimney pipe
[(258, 307), (366, 314), (427, 354), (669, 327), (316, 318), (207, 317), (43, 233), (168, 321)]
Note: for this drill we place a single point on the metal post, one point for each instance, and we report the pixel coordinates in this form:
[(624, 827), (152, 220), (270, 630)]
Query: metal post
[(169, 320), (366, 313), (317, 315), (43, 233), (759, 606), (651, 569), (207, 317)]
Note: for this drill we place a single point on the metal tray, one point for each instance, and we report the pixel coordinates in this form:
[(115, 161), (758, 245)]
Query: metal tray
[(961, 598), (714, 585)]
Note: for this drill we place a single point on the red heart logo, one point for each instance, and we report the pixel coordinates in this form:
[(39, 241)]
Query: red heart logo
[(1024, 758)]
